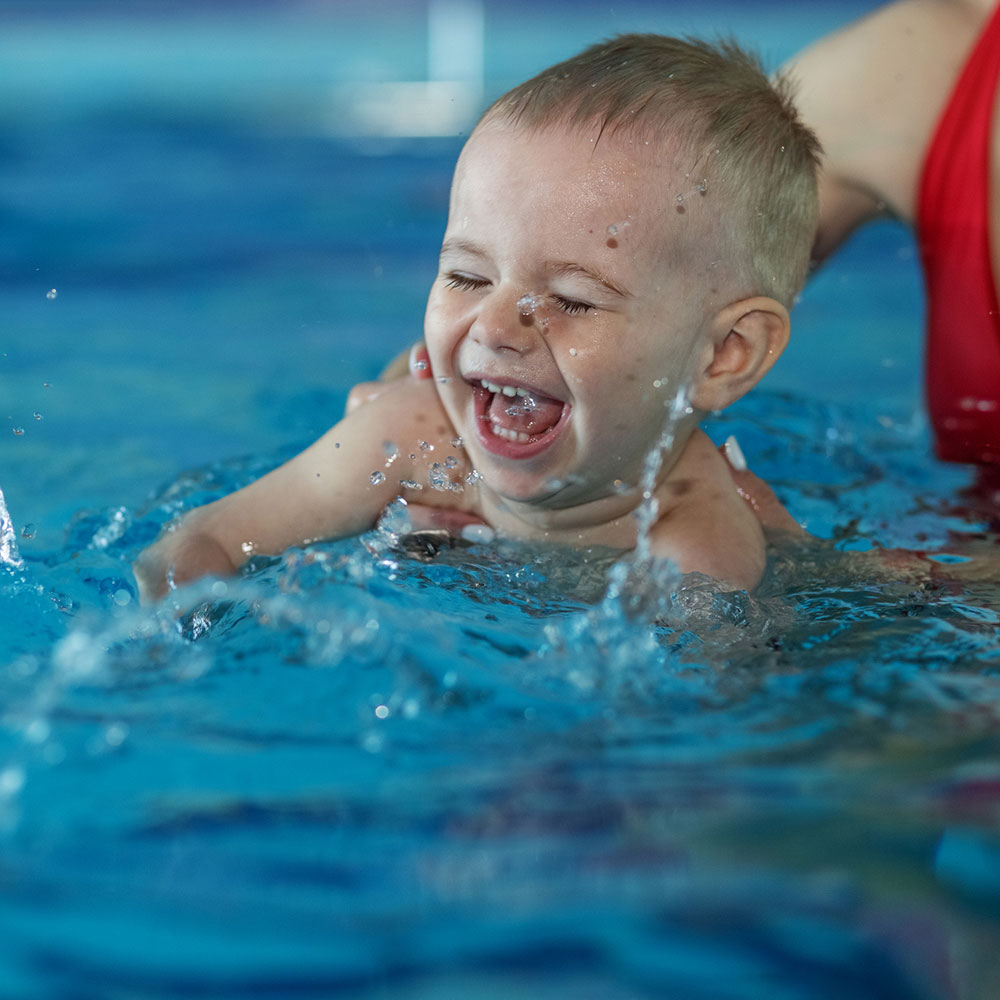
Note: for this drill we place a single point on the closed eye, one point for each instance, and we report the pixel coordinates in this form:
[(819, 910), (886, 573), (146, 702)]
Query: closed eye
[(572, 306), (464, 282)]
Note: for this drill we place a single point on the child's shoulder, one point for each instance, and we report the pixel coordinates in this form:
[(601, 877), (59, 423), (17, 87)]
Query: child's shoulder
[(705, 526), (415, 444)]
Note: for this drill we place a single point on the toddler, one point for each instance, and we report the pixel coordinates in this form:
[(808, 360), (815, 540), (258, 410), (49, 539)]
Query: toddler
[(626, 233)]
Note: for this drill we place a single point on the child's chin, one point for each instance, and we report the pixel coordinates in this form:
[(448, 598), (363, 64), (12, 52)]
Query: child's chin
[(532, 491)]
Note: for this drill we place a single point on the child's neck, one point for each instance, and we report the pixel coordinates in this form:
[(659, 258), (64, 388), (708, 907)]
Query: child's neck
[(612, 520), (609, 521)]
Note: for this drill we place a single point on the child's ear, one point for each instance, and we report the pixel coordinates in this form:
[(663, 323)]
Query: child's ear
[(746, 339)]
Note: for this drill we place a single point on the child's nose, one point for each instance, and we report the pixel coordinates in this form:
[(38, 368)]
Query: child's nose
[(505, 322)]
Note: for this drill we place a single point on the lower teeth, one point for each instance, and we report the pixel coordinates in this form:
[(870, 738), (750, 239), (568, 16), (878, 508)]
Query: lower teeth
[(519, 436)]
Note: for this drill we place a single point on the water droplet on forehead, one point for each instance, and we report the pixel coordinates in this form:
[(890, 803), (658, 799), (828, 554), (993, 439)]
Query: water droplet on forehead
[(377, 477)]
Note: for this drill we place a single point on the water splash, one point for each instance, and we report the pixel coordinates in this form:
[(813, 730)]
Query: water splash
[(9, 555), (678, 411), (439, 478)]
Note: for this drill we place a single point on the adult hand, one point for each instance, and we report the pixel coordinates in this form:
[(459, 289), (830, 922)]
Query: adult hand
[(762, 500)]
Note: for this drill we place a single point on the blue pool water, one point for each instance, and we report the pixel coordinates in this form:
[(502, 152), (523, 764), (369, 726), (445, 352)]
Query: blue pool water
[(356, 773)]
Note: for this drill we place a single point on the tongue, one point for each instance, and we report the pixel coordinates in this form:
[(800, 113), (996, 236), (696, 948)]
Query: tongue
[(527, 414)]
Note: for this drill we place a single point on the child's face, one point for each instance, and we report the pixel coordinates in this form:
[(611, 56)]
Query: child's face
[(565, 312)]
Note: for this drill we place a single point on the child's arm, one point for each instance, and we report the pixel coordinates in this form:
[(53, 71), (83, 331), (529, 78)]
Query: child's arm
[(335, 488)]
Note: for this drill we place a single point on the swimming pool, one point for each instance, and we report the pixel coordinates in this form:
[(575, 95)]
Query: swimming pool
[(357, 773)]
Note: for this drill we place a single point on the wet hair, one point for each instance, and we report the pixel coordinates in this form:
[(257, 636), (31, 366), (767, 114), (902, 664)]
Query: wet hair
[(736, 130)]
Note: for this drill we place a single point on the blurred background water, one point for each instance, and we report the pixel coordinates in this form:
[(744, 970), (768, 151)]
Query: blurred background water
[(355, 773)]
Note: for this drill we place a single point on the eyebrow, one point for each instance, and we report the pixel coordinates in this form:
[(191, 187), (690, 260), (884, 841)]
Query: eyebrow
[(559, 268), (567, 267), (462, 246)]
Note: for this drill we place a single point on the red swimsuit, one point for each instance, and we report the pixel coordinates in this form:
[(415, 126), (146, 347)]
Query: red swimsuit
[(953, 213)]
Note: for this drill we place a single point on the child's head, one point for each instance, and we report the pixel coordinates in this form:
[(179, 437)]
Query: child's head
[(611, 236), (734, 134)]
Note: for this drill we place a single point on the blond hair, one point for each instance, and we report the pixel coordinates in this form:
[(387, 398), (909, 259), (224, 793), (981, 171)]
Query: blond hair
[(738, 129)]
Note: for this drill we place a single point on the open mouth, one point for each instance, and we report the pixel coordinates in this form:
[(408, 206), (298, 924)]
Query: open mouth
[(516, 421)]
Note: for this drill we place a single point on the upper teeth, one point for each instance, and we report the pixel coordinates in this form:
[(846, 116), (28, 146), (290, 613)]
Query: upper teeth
[(507, 390)]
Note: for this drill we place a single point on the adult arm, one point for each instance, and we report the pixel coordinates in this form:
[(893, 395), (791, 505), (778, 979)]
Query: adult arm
[(873, 92)]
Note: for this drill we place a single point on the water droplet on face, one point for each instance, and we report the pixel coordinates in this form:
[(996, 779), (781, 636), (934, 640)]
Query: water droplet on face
[(377, 477), (426, 446), (528, 303), (247, 548), (456, 442), (420, 366), (51, 294), (573, 352), (391, 450), (612, 230), (473, 477)]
